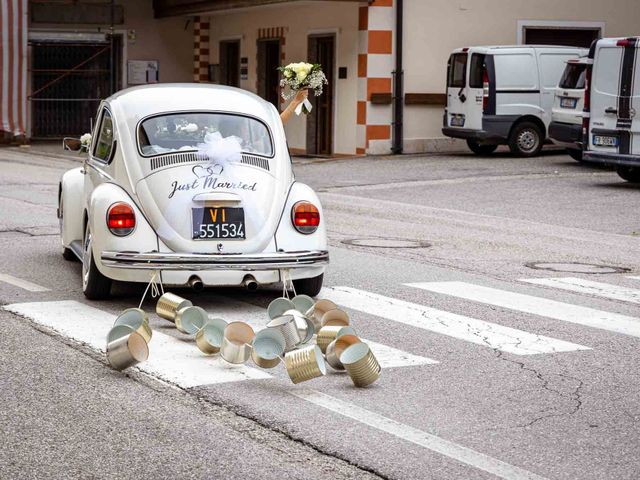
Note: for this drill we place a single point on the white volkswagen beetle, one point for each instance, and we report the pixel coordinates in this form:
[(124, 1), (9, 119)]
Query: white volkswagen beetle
[(195, 184)]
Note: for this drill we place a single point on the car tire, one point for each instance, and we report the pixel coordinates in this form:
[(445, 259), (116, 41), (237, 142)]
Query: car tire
[(480, 149), (95, 285), (309, 286), (630, 174), (575, 154), (526, 139), (68, 255)]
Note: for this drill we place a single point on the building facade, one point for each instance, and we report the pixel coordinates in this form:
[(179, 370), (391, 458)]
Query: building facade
[(80, 51)]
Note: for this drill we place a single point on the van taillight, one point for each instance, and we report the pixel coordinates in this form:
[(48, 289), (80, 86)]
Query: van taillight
[(485, 90), (121, 219), (586, 115), (623, 43)]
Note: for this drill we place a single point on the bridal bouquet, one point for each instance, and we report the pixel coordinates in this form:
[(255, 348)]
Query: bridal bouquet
[(300, 76)]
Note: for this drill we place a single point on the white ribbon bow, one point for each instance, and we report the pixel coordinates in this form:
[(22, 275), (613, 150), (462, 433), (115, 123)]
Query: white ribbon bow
[(306, 104)]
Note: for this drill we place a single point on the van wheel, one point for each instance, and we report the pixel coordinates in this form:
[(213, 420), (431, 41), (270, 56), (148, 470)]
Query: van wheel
[(575, 154), (479, 149), (526, 140), (309, 286), (630, 174)]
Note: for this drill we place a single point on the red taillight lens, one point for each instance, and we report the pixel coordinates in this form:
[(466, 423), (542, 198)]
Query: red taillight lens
[(121, 219), (485, 90), (587, 108), (305, 217), (623, 43)]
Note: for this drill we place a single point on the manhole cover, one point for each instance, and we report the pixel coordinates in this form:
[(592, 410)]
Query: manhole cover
[(577, 267), (386, 243)]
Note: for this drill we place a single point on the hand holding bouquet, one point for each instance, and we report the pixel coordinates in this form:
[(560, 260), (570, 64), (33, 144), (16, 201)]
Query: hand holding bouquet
[(300, 76)]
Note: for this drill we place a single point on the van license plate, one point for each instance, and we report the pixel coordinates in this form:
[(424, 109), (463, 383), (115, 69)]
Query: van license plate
[(605, 141), (457, 120), (568, 102)]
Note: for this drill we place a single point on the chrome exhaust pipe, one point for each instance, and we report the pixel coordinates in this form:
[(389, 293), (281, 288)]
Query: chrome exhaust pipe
[(196, 284), (250, 283)]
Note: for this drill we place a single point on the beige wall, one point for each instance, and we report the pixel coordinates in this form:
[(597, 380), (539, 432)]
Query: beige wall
[(301, 20), (432, 29)]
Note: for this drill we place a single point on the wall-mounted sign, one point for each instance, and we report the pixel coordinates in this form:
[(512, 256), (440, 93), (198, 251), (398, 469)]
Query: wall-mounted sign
[(244, 68), (140, 72)]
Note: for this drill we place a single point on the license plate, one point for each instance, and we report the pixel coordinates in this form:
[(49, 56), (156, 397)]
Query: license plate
[(217, 222), (605, 141), (568, 102), (457, 120)]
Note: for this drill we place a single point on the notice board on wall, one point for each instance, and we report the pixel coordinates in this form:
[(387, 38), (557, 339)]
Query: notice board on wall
[(140, 72)]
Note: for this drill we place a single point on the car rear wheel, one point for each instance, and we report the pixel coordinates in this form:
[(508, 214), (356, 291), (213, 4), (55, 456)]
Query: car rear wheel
[(575, 154), (95, 285), (309, 286), (630, 174), (526, 140), (480, 149)]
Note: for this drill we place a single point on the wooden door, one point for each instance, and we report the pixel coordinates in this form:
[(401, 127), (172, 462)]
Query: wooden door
[(230, 63), (320, 121), (268, 75)]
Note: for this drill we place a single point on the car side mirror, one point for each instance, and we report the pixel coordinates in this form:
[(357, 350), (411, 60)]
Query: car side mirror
[(71, 144)]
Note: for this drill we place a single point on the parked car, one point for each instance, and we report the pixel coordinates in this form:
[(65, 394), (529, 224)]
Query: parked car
[(565, 129), (195, 182), (613, 99), (503, 95)]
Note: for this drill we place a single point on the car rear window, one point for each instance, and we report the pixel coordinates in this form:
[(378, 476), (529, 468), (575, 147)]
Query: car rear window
[(457, 70), (185, 131), (574, 76)]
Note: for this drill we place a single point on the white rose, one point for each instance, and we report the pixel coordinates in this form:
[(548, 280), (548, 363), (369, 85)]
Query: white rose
[(191, 127), (85, 139), (288, 73), (301, 75)]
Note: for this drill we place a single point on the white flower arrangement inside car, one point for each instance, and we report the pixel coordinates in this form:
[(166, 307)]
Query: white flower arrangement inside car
[(300, 76), (85, 142)]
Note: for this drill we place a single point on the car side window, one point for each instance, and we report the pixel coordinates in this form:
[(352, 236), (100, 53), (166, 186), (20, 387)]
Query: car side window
[(104, 145)]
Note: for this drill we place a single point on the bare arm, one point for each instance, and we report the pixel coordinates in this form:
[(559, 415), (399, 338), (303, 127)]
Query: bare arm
[(300, 97)]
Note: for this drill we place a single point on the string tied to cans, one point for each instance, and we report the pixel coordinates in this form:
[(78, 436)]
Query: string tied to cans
[(302, 333)]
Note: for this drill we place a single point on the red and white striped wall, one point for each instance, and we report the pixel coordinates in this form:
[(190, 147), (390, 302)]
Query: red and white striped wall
[(201, 49), (375, 64), (13, 66)]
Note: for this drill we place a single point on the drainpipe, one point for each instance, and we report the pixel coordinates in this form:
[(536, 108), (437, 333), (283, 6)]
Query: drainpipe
[(398, 89)]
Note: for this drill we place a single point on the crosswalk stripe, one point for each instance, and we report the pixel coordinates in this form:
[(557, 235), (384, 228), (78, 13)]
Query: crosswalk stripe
[(24, 284), (634, 278), (426, 440), (567, 312), (464, 328), (387, 356), (581, 285), (171, 359)]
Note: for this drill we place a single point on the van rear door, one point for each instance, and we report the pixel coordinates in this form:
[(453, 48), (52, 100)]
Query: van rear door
[(464, 102), (615, 97)]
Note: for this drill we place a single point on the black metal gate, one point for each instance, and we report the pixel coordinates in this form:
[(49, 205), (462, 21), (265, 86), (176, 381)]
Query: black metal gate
[(68, 80)]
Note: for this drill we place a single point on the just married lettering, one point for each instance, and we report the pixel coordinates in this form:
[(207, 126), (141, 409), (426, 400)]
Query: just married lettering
[(210, 183)]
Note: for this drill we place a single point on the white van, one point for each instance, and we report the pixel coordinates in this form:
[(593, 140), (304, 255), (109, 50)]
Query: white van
[(613, 100), (503, 95), (565, 129)]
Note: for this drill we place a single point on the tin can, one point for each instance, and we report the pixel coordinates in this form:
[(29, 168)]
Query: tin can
[(118, 331), (286, 325), (319, 309), (361, 365), (127, 351), (236, 342), (305, 364), (335, 349), (169, 304), (326, 335), (278, 306), (190, 319), (137, 319), (334, 318), (268, 347), (305, 326), (209, 337), (304, 304)]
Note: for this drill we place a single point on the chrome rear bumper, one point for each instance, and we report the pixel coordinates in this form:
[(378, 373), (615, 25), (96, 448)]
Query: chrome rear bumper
[(214, 261)]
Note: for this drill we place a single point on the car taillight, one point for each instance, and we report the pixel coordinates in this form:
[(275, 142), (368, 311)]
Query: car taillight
[(305, 217), (586, 115), (485, 90), (121, 219)]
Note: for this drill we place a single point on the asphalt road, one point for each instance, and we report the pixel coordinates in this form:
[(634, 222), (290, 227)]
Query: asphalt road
[(493, 366)]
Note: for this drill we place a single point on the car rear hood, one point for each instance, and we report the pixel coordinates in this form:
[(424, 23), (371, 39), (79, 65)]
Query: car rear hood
[(168, 196)]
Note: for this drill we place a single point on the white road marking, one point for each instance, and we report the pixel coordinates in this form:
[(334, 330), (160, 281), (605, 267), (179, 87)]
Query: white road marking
[(174, 360), (418, 437), (464, 328), (18, 282), (581, 285), (388, 357), (634, 278), (566, 312)]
